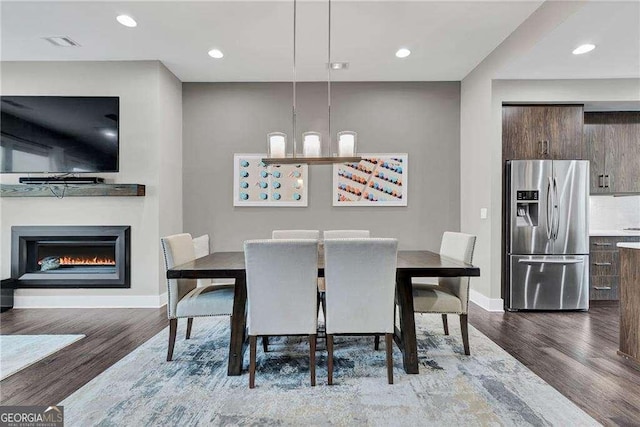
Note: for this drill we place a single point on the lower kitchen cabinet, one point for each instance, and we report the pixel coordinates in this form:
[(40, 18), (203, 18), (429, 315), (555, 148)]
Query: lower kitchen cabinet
[(605, 266)]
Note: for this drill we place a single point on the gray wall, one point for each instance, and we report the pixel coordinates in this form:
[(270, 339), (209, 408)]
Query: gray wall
[(421, 119)]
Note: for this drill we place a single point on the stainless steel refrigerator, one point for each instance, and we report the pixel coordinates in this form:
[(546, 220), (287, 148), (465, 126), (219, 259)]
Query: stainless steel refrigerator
[(548, 235)]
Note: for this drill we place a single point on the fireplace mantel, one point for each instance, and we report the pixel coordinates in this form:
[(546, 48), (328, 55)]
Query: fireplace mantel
[(71, 190)]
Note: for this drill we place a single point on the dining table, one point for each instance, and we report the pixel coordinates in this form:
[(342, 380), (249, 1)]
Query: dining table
[(410, 264)]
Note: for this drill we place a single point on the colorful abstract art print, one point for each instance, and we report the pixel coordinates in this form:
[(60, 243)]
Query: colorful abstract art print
[(377, 180), (256, 184)]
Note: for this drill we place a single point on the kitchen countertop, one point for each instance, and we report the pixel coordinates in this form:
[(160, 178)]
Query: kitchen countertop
[(614, 232), (629, 245)]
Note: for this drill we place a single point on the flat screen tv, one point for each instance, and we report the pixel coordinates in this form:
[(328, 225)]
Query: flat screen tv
[(59, 134)]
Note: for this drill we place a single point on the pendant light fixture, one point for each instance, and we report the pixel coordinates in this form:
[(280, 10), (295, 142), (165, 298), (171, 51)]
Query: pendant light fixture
[(312, 152)]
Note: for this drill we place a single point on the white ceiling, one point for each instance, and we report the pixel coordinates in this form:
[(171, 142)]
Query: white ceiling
[(613, 26), (447, 38)]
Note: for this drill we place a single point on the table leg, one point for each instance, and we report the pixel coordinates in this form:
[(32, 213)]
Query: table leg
[(238, 342), (407, 341)]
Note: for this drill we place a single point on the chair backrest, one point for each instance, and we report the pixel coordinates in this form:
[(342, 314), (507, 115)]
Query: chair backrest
[(360, 276), (346, 234), (458, 246), (177, 249), (282, 277), (296, 234), (201, 248)]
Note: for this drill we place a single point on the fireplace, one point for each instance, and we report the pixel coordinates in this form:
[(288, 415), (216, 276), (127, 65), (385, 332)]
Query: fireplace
[(71, 256)]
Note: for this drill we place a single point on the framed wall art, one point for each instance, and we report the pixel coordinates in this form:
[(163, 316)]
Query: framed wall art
[(256, 184), (377, 180)]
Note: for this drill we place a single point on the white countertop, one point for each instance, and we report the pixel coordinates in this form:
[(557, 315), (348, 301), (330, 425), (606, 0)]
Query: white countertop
[(614, 233), (629, 245)]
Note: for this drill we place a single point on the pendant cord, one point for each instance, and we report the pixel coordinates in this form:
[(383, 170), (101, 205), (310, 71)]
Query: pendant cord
[(294, 118), (329, 79)]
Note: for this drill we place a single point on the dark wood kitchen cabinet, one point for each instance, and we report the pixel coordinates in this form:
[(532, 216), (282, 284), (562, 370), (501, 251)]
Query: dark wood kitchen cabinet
[(542, 132), (612, 144), (604, 268)]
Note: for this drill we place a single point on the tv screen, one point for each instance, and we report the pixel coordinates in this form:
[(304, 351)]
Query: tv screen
[(59, 134)]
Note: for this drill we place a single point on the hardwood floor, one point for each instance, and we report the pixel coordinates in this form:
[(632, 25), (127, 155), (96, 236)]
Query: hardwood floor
[(111, 334), (573, 352)]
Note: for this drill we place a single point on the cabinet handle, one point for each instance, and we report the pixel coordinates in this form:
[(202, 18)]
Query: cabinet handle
[(545, 147), (602, 264), (601, 181), (607, 182), (602, 288), (602, 244)]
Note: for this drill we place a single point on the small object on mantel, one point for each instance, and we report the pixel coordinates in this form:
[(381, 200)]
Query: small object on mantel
[(630, 302), (71, 190)]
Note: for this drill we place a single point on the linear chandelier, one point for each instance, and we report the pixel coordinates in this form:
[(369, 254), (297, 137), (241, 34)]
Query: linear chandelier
[(312, 152)]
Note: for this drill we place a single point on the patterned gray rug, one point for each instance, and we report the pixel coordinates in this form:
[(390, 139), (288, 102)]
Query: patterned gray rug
[(487, 388), (20, 351)]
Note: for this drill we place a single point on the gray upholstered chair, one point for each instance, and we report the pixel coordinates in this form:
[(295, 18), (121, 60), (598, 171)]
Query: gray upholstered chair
[(201, 247), (281, 293), (340, 234), (360, 277), (448, 295), (185, 299), (295, 234), (346, 234)]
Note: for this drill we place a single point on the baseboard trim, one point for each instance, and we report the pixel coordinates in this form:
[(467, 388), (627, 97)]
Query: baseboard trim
[(98, 301), (489, 304)]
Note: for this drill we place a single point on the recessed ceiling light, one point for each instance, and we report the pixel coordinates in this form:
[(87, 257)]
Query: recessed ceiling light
[(403, 53), (127, 21), (216, 53), (339, 65), (584, 49)]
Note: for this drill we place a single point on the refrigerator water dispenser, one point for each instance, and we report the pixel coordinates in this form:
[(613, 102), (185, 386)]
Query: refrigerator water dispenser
[(527, 208)]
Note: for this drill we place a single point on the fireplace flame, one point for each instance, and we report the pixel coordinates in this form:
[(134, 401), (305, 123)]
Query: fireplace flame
[(68, 260)]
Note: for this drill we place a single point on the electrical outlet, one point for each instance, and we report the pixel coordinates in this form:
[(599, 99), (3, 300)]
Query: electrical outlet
[(483, 213)]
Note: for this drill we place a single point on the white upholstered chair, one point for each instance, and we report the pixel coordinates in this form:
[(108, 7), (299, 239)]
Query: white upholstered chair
[(201, 246), (295, 234), (360, 277), (346, 234), (448, 295), (185, 299), (282, 280)]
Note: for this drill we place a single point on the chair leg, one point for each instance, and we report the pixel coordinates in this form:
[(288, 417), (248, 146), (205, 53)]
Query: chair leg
[(445, 324), (189, 325), (265, 344), (173, 328), (323, 301), (329, 359), (252, 361), (312, 358), (376, 343), (388, 342), (465, 333)]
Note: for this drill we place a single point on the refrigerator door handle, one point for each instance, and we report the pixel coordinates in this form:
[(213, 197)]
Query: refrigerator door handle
[(549, 211), (536, 261), (556, 209)]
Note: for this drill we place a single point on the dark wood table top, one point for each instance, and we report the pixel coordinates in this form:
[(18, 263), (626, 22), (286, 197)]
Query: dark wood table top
[(411, 263)]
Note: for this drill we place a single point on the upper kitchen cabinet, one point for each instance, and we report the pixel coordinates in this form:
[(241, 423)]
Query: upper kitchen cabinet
[(612, 144), (542, 132)]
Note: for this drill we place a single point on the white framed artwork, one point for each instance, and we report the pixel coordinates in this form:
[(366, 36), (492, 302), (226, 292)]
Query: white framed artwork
[(257, 184), (377, 180)]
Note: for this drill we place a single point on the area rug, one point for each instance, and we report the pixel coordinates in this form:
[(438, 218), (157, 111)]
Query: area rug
[(487, 388), (19, 351)]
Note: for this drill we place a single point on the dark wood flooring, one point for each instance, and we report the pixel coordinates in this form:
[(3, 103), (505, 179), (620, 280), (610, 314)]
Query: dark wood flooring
[(573, 352), (111, 334)]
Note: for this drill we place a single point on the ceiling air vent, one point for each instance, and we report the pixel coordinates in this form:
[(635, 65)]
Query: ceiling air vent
[(62, 41)]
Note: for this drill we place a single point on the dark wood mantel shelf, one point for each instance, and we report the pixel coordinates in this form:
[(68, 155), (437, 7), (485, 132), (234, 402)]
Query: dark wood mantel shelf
[(71, 190)]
